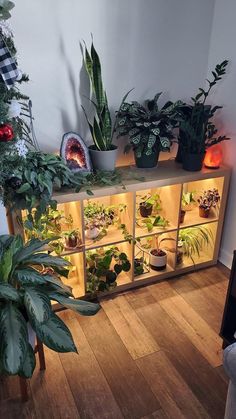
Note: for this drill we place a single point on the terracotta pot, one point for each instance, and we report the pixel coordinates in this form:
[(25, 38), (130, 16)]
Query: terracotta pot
[(158, 263), (203, 213), (145, 209), (182, 215)]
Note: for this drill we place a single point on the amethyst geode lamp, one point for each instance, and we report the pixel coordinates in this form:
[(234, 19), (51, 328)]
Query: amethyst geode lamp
[(75, 153)]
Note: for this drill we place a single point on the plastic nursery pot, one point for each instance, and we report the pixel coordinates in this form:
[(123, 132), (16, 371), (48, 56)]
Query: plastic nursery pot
[(147, 162), (192, 162), (92, 233), (103, 160), (182, 215), (158, 259), (204, 213), (145, 209)]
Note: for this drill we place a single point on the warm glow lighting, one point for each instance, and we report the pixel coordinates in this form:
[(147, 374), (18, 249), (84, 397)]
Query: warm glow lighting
[(214, 156)]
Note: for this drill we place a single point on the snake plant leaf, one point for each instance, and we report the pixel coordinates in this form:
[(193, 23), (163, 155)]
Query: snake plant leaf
[(8, 292), (97, 78), (13, 339), (29, 363), (37, 304), (89, 66), (106, 125), (55, 335), (84, 308), (97, 136)]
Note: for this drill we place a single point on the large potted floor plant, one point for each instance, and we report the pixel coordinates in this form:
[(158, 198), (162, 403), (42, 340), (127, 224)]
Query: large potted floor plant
[(149, 128), (29, 280), (103, 152), (197, 132)]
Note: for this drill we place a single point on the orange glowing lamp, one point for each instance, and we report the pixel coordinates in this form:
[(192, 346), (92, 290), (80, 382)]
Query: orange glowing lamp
[(214, 156)]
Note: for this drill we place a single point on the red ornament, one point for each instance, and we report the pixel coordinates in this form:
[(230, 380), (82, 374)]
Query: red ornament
[(214, 156), (6, 133)]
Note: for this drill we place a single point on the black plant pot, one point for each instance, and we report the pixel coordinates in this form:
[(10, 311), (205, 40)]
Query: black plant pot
[(145, 209), (179, 155), (147, 162), (192, 162)]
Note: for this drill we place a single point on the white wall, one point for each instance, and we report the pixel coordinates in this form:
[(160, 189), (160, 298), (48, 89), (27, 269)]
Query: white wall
[(152, 45), (223, 46)]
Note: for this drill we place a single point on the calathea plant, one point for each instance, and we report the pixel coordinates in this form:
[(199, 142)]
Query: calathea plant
[(29, 280), (150, 128), (197, 131), (103, 152)]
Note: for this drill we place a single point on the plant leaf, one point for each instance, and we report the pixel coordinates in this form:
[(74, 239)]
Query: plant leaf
[(80, 306), (37, 304), (8, 292), (29, 363)]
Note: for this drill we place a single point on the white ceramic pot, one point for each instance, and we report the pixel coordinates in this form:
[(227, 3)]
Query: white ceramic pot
[(92, 233), (157, 263), (103, 160)]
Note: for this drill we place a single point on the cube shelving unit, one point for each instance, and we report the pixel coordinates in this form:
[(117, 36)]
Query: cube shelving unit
[(169, 180)]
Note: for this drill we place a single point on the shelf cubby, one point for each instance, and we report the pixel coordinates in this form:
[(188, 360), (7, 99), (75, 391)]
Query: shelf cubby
[(169, 181)]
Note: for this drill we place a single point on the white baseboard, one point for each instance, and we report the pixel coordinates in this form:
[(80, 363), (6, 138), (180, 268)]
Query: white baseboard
[(226, 258)]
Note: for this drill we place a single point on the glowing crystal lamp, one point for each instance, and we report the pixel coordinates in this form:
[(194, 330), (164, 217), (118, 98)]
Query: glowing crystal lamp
[(214, 156)]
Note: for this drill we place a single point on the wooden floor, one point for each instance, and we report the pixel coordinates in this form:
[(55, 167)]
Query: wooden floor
[(150, 353)]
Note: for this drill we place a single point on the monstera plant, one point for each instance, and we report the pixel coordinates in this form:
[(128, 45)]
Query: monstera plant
[(150, 128), (29, 280)]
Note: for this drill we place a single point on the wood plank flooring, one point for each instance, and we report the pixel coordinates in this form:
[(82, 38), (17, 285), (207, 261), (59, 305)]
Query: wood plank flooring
[(153, 352)]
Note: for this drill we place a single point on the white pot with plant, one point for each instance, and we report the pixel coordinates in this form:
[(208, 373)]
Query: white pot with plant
[(92, 232), (103, 153)]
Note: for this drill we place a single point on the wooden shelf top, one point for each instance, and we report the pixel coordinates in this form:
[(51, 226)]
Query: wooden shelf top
[(168, 172)]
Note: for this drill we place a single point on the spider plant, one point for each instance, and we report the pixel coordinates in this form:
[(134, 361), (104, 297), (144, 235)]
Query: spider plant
[(194, 239)]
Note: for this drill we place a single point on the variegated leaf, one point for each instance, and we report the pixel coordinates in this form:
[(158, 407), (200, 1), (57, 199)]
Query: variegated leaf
[(136, 140), (165, 142), (155, 131), (151, 141), (37, 304)]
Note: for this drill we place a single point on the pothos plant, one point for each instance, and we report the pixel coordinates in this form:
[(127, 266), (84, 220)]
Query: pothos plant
[(103, 268), (149, 208), (29, 281), (103, 216), (150, 128)]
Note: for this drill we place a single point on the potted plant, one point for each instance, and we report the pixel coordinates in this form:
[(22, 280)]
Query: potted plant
[(197, 131), (149, 203), (193, 239), (72, 239), (149, 128), (209, 199), (103, 152), (158, 259), (187, 204), (29, 280), (103, 268)]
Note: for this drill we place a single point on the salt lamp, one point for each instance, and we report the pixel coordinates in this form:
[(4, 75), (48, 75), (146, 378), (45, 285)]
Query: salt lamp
[(214, 156), (75, 153)]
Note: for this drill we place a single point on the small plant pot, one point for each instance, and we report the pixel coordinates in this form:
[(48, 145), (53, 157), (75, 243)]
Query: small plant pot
[(72, 242), (203, 213), (145, 209), (182, 215), (147, 162), (92, 233), (103, 160), (158, 259), (192, 162)]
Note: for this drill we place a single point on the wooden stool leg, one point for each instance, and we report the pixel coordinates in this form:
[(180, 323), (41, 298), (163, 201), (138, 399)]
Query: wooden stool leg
[(41, 355), (24, 389)]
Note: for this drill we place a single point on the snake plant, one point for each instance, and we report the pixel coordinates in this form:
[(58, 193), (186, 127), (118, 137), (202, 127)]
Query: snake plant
[(101, 128), (29, 280)]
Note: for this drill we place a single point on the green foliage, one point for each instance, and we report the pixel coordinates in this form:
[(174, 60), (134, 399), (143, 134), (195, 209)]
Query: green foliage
[(28, 283), (149, 127), (197, 131), (101, 128), (38, 173), (103, 268), (5, 7), (194, 239), (188, 198)]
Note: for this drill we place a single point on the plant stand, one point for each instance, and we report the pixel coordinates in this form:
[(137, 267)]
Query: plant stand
[(42, 366)]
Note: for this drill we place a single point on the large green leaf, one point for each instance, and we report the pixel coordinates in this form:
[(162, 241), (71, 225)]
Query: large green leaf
[(97, 79), (31, 246), (37, 304), (97, 136), (29, 363), (13, 339), (47, 260), (82, 307), (56, 335), (28, 276), (6, 264), (8, 292)]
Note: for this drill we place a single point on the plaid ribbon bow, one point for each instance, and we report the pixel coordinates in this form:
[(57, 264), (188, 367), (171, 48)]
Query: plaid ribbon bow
[(8, 67)]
